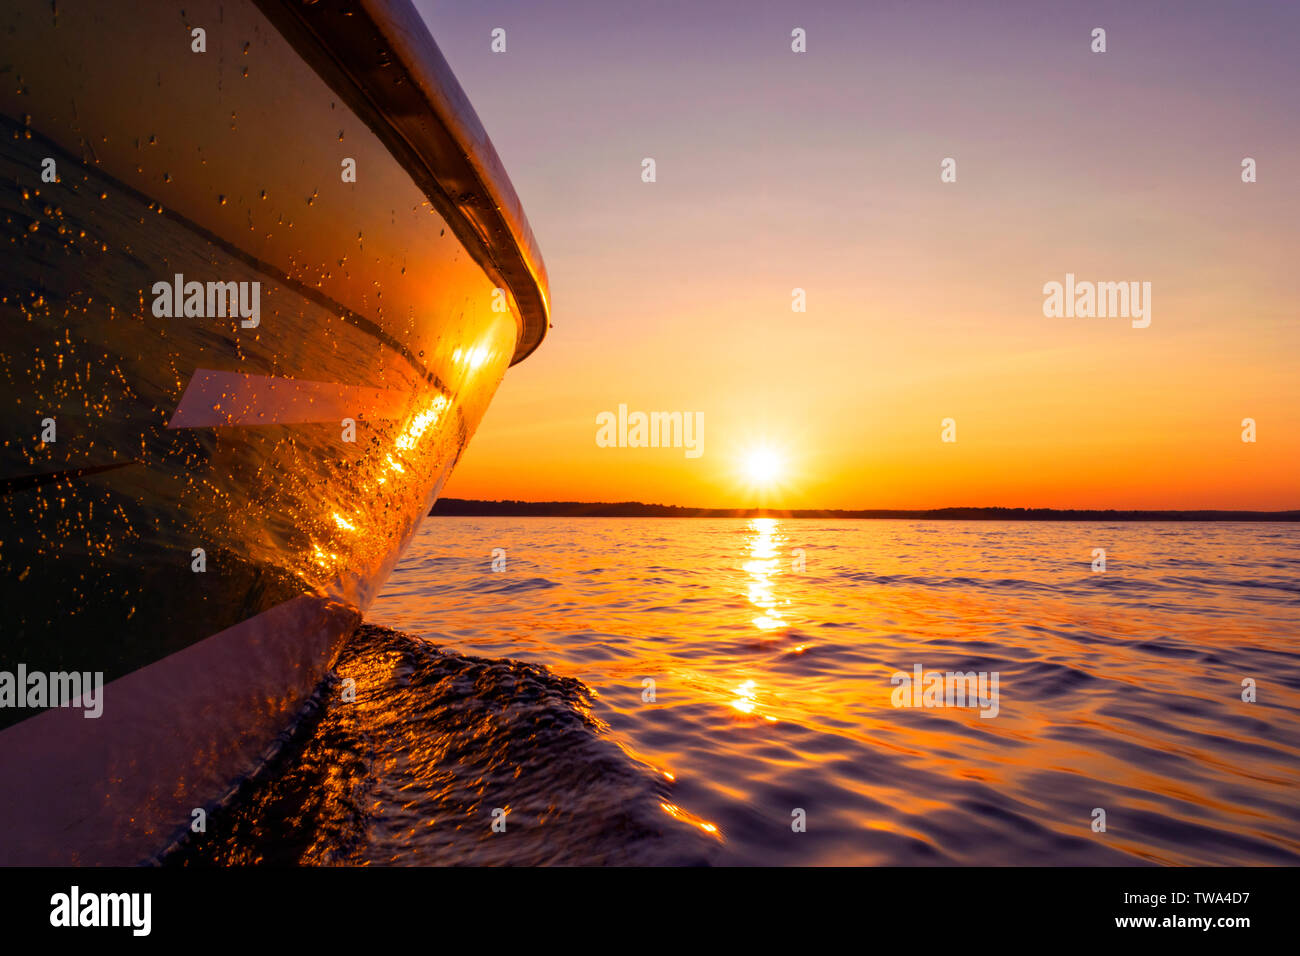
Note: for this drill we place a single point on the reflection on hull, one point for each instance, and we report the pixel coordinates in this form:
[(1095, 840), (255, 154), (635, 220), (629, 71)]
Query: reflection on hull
[(198, 509)]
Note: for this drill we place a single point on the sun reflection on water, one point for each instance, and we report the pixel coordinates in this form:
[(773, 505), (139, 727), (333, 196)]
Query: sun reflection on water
[(763, 564), (747, 697)]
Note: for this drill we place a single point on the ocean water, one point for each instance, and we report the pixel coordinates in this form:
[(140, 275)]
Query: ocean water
[(770, 733)]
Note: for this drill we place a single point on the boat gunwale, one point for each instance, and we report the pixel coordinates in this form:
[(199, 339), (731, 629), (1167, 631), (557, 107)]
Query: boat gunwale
[(380, 58)]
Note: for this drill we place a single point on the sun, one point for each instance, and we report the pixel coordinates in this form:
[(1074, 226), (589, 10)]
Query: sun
[(763, 466)]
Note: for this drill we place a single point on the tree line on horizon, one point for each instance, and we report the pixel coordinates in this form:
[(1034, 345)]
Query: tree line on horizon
[(468, 507)]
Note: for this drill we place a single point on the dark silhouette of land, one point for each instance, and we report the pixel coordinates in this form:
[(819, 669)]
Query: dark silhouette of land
[(635, 509)]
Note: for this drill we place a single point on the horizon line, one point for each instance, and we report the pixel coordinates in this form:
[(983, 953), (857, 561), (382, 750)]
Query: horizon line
[(509, 507)]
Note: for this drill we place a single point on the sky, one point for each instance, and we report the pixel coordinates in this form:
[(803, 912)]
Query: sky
[(820, 170)]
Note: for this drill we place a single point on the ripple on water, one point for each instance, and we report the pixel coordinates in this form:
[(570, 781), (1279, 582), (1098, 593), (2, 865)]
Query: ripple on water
[(412, 770), (678, 690)]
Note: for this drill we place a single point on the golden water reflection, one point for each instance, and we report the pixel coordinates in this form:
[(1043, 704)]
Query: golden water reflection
[(747, 698), (763, 568), (745, 714), (763, 564)]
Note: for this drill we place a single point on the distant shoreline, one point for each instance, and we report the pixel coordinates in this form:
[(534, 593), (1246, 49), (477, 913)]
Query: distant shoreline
[(469, 508)]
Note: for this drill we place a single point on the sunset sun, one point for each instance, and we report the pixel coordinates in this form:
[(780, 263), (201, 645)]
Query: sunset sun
[(763, 466)]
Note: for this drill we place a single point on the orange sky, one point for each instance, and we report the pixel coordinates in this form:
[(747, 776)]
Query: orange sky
[(821, 171)]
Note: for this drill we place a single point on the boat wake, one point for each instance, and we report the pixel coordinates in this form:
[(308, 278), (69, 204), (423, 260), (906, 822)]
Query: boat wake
[(417, 752)]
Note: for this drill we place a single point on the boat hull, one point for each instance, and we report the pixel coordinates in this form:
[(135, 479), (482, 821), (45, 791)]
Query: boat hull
[(199, 502)]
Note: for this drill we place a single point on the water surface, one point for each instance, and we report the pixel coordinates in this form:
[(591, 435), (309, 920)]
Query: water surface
[(771, 645)]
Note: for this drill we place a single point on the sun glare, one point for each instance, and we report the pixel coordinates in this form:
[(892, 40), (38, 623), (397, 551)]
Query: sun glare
[(763, 466)]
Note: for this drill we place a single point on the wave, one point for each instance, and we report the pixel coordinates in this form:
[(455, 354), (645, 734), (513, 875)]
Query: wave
[(416, 768)]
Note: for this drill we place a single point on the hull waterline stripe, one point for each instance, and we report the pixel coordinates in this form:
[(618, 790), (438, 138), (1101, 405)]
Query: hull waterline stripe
[(214, 399), (75, 789)]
